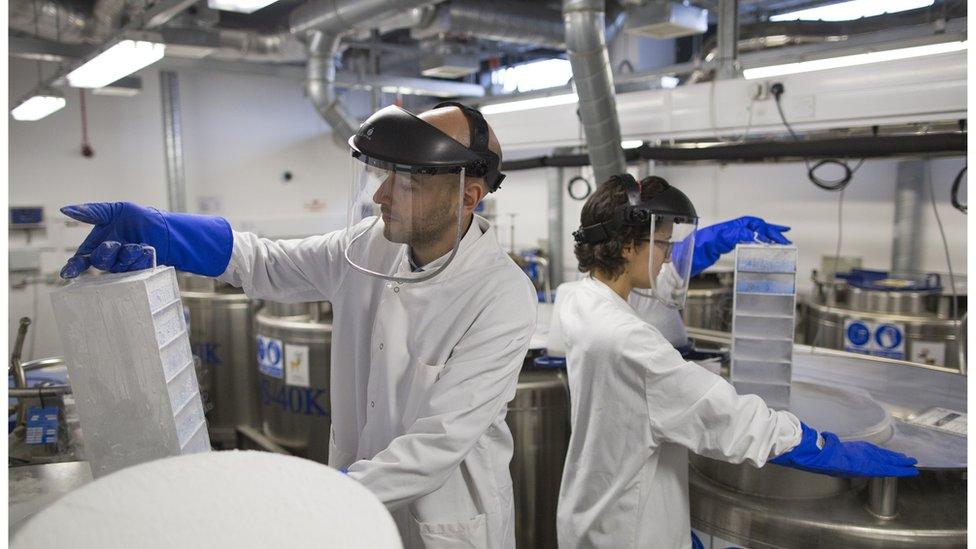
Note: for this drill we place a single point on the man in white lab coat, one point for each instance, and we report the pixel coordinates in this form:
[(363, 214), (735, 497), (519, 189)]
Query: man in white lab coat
[(432, 319), (638, 408)]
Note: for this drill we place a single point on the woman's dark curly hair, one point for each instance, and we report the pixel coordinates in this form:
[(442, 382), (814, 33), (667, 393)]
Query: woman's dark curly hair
[(607, 257)]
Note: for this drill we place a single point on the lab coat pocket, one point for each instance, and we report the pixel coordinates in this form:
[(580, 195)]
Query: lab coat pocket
[(424, 376), (465, 534)]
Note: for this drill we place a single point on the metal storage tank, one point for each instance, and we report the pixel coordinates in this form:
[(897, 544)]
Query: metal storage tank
[(914, 312), (896, 404), (294, 345), (709, 302), (221, 328), (539, 419)]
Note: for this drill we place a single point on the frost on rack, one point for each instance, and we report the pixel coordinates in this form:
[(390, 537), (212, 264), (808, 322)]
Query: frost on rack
[(128, 354)]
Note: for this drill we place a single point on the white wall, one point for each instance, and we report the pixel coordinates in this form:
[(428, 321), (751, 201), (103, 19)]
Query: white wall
[(778, 192), (240, 134)]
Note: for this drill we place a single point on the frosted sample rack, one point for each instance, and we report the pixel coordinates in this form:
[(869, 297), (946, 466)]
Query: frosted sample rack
[(763, 320), (128, 356)]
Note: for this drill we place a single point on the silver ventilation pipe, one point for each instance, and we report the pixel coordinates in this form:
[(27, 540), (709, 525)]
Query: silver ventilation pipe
[(55, 20), (107, 16), (322, 23), (587, 49), (504, 21), (906, 249), (320, 85)]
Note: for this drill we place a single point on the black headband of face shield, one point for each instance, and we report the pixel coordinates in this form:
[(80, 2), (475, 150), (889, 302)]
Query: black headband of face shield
[(487, 164), (634, 213)]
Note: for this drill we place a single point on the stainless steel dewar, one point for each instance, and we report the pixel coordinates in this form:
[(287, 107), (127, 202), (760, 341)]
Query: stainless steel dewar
[(932, 334), (295, 413), (221, 335), (539, 419)]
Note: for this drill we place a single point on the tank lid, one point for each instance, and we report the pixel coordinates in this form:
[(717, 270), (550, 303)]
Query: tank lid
[(886, 282)]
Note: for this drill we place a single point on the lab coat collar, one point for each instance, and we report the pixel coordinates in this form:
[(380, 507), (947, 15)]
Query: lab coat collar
[(479, 226), (606, 291)]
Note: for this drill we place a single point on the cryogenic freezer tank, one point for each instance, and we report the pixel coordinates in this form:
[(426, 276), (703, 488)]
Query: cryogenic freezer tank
[(905, 318), (221, 335), (709, 301), (539, 419), (881, 400), (294, 345)]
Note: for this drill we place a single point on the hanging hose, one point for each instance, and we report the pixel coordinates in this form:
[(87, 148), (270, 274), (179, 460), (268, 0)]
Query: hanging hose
[(955, 192)]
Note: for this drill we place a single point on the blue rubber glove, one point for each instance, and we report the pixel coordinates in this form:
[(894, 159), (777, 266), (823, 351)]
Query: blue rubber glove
[(125, 235), (695, 542), (713, 241), (827, 455)]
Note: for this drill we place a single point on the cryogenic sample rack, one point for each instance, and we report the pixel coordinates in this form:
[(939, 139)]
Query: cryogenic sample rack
[(763, 319), (128, 356)]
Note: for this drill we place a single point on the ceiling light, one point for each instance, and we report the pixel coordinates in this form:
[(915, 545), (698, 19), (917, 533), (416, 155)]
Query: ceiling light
[(122, 59), (852, 60), (631, 143), (526, 104), (855, 9), (37, 107), (241, 6)]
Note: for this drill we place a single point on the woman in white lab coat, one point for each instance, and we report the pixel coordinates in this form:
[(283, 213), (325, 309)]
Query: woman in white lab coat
[(637, 406)]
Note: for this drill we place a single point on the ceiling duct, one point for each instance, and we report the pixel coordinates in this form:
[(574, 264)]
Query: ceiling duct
[(666, 20), (322, 23), (107, 14), (445, 59), (504, 21), (587, 49), (48, 19)]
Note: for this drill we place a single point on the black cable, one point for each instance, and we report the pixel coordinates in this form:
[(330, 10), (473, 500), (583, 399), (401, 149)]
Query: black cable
[(955, 192), (576, 196), (825, 184)]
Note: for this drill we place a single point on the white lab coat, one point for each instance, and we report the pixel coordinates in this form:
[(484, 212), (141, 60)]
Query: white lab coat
[(421, 374), (668, 321), (637, 409)]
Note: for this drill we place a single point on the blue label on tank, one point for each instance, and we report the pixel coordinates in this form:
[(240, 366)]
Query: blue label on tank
[(207, 351), (858, 334), (270, 359)]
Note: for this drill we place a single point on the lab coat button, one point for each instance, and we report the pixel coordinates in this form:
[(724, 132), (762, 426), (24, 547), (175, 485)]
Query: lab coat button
[(396, 289), (372, 404), (381, 346)]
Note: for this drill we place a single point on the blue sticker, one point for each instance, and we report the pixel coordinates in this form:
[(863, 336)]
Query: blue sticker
[(858, 334), (888, 336), (270, 357)]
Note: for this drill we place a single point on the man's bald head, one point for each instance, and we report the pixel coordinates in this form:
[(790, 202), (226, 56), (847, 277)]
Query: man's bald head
[(452, 121)]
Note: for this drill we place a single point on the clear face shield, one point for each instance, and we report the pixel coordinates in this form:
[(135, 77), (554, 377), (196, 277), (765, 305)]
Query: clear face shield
[(419, 209), (672, 245)]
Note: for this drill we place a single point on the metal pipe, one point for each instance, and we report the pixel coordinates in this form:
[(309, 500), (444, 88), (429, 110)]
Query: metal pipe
[(906, 248), (48, 19), (20, 378), (728, 39), (556, 228), (106, 14), (587, 49), (850, 147), (321, 89), (42, 363), (173, 141), (503, 21), (883, 497)]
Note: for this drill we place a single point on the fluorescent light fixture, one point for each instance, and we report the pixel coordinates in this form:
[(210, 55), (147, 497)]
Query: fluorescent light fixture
[(855, 9), (240, 6), (526, 104), (852, 60), (631, 143), (122, 59), (37, 107)]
